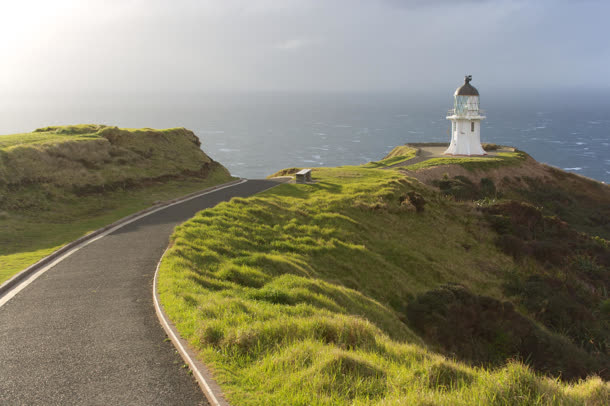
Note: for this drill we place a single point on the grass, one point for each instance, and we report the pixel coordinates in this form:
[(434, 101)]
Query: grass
[(90, 156), (398, 155), (474, 163), (298, 296), (53, 134), (60, 183), (26, 238), (40, 138)]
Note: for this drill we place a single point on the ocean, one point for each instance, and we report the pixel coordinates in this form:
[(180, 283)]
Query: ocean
[(257, 134)]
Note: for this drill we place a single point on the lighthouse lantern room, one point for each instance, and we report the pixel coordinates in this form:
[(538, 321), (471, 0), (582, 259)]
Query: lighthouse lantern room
[(465, 121)]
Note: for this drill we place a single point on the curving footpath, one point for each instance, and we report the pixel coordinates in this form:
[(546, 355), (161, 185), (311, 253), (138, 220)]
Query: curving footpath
[(85, 331)]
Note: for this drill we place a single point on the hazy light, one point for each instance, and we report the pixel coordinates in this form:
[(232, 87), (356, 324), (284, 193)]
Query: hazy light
[(339, 45)]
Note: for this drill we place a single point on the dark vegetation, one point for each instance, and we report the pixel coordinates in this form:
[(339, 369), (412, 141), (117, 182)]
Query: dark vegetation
[(581, 202), (571, 296), (555, 225), (462, 188), (485, 331)]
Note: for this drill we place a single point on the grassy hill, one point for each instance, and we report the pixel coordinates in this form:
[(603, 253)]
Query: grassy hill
[(371, 287), (58, 183)]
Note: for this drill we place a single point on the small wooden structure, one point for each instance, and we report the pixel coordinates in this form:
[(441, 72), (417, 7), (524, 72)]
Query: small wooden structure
[(303, 176)]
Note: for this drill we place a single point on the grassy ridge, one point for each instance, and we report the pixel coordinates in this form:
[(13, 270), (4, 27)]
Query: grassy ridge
[(50, 135), (299, 296), (88, 157), (58, 183), (399, 154), (474, 163)]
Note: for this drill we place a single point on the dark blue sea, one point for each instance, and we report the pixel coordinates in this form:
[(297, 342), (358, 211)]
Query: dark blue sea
[(257, 134)]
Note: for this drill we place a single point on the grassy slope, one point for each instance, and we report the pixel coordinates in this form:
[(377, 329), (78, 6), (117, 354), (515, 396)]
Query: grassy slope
[(298, 296), (59, 183), (399, 154)]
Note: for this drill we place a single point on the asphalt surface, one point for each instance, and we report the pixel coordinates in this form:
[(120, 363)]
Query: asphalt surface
[(85, 332)]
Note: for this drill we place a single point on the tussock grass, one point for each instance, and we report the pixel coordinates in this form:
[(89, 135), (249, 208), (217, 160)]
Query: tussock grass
[(297, 296), (59, 183)]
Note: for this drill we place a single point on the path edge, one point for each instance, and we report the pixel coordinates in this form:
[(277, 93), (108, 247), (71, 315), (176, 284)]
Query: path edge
[(20, 276), (201, 373)]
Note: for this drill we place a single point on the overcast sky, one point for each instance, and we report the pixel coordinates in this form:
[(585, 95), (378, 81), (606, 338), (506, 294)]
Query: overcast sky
[(301, 45)]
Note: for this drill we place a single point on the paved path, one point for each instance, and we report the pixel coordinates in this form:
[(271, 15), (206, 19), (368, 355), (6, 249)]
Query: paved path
[(85, 332)]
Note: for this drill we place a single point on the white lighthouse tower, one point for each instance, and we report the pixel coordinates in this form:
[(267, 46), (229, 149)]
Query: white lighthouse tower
[(465, 121)]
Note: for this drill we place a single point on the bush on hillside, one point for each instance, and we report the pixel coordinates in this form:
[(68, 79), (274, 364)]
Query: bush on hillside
[(462, 188), (567, 305), (567, 298), (485, 331)]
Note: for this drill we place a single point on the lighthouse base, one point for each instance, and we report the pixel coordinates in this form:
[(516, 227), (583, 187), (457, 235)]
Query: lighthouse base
[(465, 154), (466, 146)]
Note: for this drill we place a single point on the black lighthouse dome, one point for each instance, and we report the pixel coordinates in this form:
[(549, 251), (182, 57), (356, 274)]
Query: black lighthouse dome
[(467, 89)]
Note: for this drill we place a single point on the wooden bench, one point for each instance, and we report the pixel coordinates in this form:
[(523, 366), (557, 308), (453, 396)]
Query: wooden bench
[(304, 175)]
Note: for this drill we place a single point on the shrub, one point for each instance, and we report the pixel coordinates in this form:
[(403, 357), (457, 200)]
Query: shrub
[(485, 331), (487, 188)]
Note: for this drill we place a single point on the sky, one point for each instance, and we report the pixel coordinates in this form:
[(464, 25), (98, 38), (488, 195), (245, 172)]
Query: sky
[(301, 45)]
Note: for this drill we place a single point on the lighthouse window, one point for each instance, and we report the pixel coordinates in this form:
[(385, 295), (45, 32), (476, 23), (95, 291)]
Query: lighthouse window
[(472, 126)]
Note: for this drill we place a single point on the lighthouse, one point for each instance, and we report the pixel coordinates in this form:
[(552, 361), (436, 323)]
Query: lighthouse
[(465, 121)]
